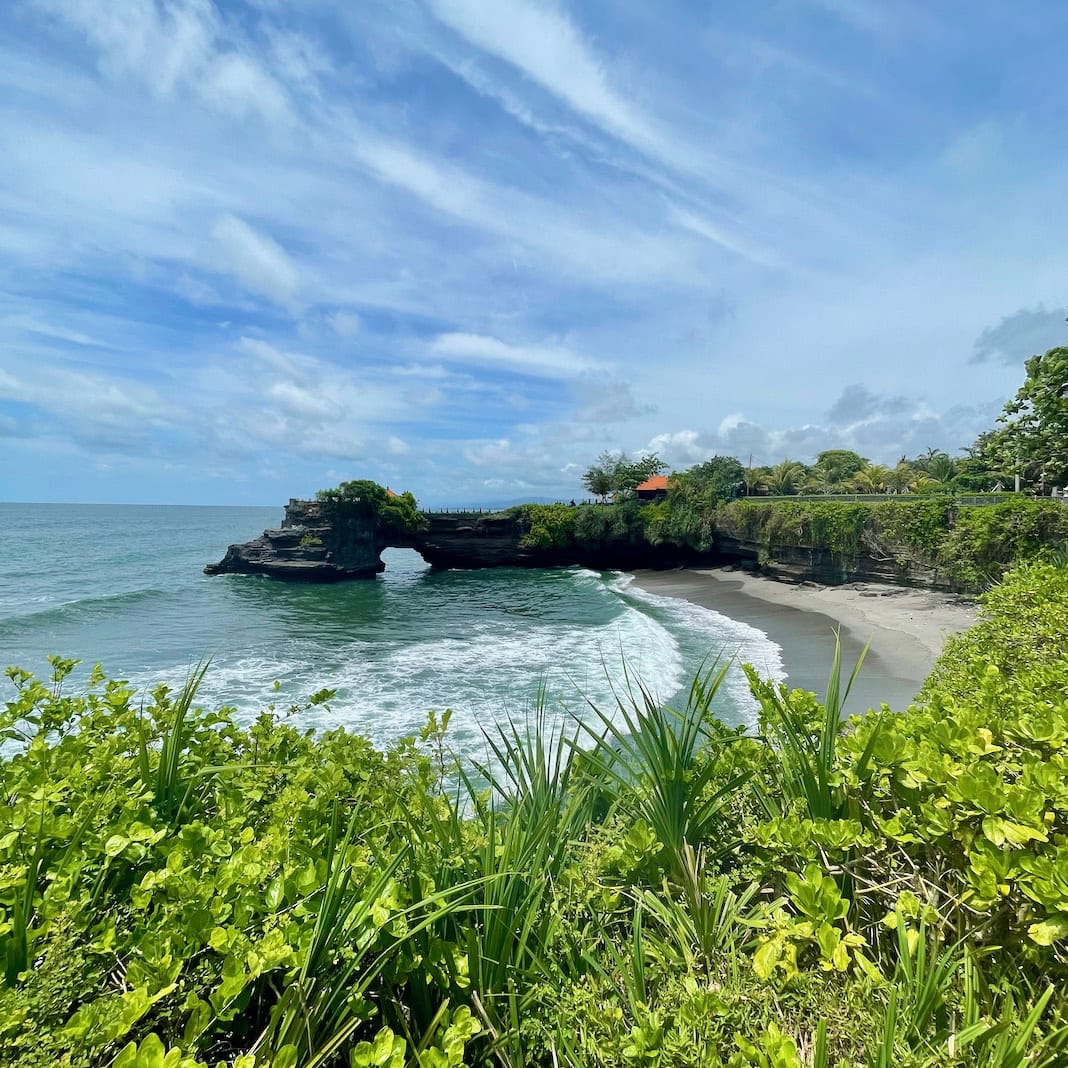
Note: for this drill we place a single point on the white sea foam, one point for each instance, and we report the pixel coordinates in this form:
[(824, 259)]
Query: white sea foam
[(489, 669), (486, 675), (496, 675), (721, 636)]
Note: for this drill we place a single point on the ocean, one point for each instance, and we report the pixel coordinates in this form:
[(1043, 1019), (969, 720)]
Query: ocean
[(123, 585)]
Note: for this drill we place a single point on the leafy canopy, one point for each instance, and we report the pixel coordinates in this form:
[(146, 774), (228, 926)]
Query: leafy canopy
[(1034, 436), (617, 473), (394, 512)]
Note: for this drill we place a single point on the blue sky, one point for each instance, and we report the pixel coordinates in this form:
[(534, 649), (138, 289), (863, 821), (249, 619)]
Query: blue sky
[(248, 249)]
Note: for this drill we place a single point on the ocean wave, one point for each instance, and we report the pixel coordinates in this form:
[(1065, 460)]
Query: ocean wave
[(385, 689), (726, 639), (499, 675), (62, 610)]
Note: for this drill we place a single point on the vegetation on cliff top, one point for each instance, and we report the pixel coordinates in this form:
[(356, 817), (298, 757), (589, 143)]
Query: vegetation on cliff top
[(920, 523), (656, 889), (967, 546), (395, 513)]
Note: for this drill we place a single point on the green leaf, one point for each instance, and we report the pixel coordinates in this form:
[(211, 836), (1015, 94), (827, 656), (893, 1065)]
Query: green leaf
[(275, 893), (1049, 931), (115, 845), (151, 1052), (766, 957), (285, 1057)]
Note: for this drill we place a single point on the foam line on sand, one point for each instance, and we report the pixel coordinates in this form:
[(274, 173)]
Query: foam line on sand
[(907, 628)]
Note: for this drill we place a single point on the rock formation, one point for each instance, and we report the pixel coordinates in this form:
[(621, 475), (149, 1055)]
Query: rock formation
[(809, 563), (319, 543), (314, 544)]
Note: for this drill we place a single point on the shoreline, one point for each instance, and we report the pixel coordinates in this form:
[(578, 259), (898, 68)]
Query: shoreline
[(907, 627)]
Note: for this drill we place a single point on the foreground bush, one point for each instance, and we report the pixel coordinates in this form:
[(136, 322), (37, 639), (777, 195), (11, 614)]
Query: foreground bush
[(654, 889)]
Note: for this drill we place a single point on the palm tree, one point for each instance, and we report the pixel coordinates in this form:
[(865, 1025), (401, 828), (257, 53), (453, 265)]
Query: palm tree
[(921, 462), (820, 480), (941, 467), (899, 479), (871, 478), (753, 480), (786, 477)]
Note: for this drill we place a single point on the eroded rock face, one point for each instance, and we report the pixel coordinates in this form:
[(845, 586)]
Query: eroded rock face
[(804, 563), (312, 545), (496, 540), (319, 544)]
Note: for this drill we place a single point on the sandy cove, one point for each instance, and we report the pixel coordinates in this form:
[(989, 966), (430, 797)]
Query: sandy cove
[(907, 628)]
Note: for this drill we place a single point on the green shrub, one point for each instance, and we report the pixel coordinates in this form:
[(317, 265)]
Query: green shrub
[(395, 513), (546, 526), (658, 889), (983, 542)]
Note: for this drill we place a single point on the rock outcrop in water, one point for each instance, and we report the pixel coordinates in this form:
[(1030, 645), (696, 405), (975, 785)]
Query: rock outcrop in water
[(314, 544), (319, 544)]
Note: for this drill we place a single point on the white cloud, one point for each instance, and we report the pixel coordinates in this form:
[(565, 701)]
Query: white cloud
[(720, 236), (256, 259), (597, 247), (548, 360), (547, 46), (641, 176), (177, 46), (36, 326), (730, 422), (344, 324), (871, 16), (270, 355), (304, 403)]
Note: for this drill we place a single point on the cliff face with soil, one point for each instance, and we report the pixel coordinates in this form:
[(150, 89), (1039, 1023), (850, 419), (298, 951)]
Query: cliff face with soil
[(807, 563)]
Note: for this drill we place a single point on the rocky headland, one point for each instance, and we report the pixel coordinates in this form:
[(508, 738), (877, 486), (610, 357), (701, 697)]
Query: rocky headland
[(315, 543), (318, 542)]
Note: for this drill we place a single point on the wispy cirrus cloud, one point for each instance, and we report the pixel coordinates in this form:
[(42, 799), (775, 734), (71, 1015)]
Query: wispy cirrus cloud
[(464, 246), (554, 361), (546, 45)]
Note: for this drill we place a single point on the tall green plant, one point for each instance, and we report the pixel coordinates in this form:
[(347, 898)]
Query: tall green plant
[(803, 734), (650, 759)]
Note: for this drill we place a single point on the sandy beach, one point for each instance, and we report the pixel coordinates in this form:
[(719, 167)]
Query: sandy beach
[(907, 628)]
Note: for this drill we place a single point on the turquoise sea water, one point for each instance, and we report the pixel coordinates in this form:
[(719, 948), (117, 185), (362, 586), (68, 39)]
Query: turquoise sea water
[(123, 585)]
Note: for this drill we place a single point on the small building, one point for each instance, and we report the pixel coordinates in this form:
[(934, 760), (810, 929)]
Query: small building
[(652, 489), (391, 494)]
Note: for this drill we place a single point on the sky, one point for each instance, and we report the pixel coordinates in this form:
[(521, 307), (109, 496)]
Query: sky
[(251, 248)]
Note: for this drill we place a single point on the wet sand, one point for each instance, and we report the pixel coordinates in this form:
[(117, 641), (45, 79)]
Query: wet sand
[(906, 628)]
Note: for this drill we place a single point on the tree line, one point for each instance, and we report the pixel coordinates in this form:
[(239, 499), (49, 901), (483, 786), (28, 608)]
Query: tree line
[(1030, 443)]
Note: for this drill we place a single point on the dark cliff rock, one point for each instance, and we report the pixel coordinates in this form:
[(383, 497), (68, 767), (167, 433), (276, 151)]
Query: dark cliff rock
[(463, 541), (806, 563), (318, 543), (314, 544)]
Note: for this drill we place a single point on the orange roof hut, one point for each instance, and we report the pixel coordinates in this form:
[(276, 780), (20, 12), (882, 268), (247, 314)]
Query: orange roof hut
[(652, 489)]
